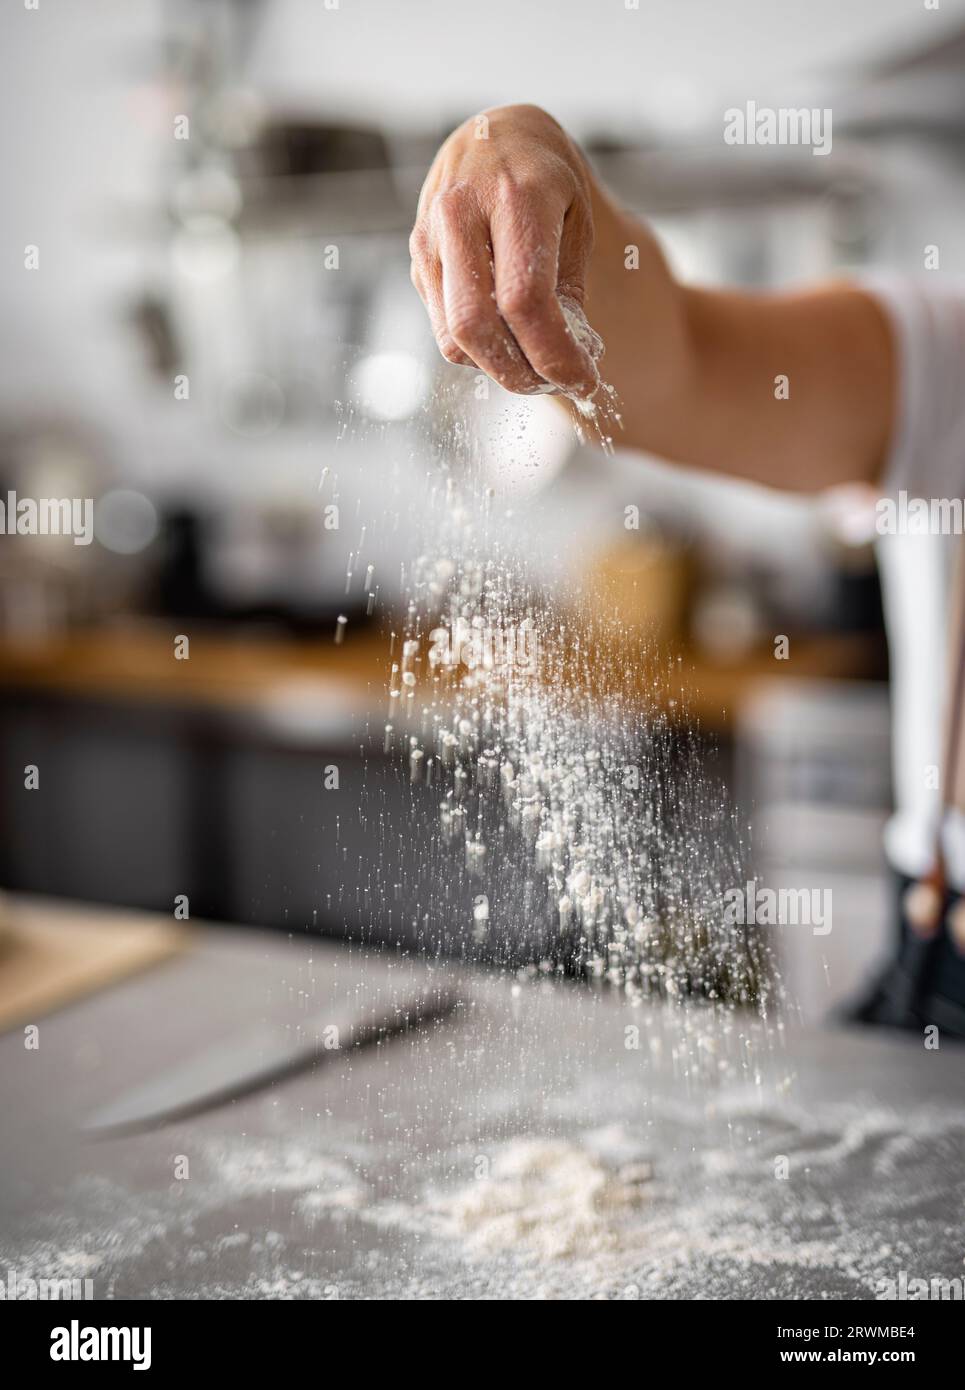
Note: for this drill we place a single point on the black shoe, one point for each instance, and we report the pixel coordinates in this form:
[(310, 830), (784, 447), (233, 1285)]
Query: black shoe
[(924, 985), (886, 1003)]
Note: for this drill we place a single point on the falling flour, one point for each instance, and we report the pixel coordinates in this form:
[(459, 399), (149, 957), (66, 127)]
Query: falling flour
[(600, 405), (562, 820), (544, 732)]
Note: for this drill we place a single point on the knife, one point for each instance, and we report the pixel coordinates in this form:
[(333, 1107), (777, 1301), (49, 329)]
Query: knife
[(265, 1053)]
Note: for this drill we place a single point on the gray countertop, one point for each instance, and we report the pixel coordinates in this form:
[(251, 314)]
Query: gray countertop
[(765, 1162)]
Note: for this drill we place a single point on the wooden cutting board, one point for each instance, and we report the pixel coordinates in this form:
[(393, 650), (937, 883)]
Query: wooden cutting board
[(52, 952)]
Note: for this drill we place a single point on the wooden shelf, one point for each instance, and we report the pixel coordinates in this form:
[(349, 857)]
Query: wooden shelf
[(234, 671)]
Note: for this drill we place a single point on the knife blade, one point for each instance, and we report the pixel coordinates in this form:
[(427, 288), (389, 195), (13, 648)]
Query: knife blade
[(263, 1054)]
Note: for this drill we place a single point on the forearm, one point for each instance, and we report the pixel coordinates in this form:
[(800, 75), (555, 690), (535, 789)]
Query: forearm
[(697, 371), (794, 391)]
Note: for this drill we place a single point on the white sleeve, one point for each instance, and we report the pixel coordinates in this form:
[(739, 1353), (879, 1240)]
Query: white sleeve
[(926, 460), (927, 315)]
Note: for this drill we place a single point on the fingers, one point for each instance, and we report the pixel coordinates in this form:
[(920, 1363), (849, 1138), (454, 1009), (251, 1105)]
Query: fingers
[(489, 283), (426, 276), (536, 254), (472, 318), (576, 244)]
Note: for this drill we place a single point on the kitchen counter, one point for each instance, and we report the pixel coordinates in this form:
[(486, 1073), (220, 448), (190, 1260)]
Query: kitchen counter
[(256, 674), (771, 1162)]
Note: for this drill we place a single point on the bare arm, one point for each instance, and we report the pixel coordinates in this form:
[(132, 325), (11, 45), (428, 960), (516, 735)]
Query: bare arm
[(506, 221)]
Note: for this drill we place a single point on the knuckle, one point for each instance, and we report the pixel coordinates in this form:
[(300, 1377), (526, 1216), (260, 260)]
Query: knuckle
[(521, 299), (418, 241), (522, 188), (467, 322), (448, 205), (544, 189)]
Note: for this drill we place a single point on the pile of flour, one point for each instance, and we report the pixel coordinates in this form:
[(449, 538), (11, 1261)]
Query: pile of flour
[(545, 1198)]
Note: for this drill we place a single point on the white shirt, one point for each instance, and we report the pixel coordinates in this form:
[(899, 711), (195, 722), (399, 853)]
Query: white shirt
[(926, 461)]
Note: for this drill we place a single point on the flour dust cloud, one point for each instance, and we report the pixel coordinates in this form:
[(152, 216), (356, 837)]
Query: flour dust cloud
[(561, 816)]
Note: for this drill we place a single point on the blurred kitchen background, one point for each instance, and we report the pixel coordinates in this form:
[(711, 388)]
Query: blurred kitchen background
[(192, 355)]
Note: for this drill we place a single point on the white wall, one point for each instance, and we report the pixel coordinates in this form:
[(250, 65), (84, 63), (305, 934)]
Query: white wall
[(422, 60)]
